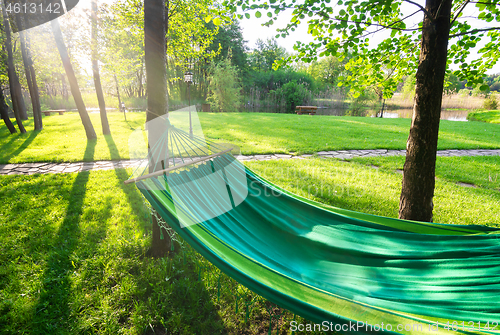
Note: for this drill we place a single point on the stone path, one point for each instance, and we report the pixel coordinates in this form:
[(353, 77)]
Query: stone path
[(32, 168)]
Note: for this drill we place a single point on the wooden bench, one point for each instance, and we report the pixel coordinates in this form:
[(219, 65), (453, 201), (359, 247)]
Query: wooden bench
[(60, 111), (311, 110)]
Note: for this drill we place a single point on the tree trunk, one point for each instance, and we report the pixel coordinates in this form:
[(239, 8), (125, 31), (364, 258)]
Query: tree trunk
[(15, 87), (73, 83), (156, 75), (4, 112), (64, 88), (95, 70), (118, 95), (416, 202), (30, 74)]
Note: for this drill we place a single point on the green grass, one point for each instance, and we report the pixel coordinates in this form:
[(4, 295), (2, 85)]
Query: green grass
[(358, 186), (63, 137), (490, 117), (481, 171), (73, 260), (74, 247)]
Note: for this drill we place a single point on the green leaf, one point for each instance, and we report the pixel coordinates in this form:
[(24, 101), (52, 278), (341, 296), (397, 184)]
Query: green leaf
[(247, 15), (208, 19), (258, 14), (484, 88), (269, 14), (217, 21)]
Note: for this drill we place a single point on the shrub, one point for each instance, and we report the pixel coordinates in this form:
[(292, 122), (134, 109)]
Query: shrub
[(490, 103), (224, 86), (294, 94)]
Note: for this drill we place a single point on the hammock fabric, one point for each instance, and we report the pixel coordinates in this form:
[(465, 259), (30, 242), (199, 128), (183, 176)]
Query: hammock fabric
[(355, 270)]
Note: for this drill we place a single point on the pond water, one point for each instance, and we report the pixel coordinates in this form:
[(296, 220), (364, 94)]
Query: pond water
[(452, 115)]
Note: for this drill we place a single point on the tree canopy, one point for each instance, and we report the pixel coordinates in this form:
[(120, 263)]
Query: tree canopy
[(342, 27)]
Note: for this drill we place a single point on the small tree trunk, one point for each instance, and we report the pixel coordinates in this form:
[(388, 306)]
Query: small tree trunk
[(64, 88), (30, 75), (15, 87), (156, 75), (416, 202), (118, 95), (73, 83), (4, 112), (95, 70), (382, 110)]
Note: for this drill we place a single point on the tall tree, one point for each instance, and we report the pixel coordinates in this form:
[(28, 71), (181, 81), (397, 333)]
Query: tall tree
[(15, 87), (95, 71), (73, 83), (156, 75), (416, 202), (4, 113), (30, 72), (347, 27)]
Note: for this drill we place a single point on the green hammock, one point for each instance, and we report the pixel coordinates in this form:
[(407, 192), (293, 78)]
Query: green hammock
[(350, 271)]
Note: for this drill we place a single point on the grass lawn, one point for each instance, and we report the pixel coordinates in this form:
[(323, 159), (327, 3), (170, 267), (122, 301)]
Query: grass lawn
[(490, 116), (63, 137), (73, 247), (73, 260), (358, 186)]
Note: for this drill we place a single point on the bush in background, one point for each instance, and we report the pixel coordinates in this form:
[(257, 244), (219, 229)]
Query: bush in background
[(490, 103), (293, 94)]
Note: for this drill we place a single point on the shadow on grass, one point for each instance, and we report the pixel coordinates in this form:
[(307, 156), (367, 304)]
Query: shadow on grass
[(5, 147), (190, 307), (133, 196), (52, 312)]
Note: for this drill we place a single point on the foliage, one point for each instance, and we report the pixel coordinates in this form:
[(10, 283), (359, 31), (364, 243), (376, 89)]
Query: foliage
[(408, 89), (347, 28), (272, 80), (452, 84), (225, 88), (491, 102), (264, 55), (327, 70), (294, 94), (493, 82), (229, 39), (480, 90), (360, 103), (189, 37)]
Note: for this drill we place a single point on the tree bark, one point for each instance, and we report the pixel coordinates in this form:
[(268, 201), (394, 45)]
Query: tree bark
[(30, 75), (73, 83), (15, 87), (4, 112), (156, 75), (95, 70), (416, 202)]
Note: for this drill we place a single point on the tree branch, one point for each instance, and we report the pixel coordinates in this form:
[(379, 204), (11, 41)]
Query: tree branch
[(473, 31), (421, 8), (462, 7)]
